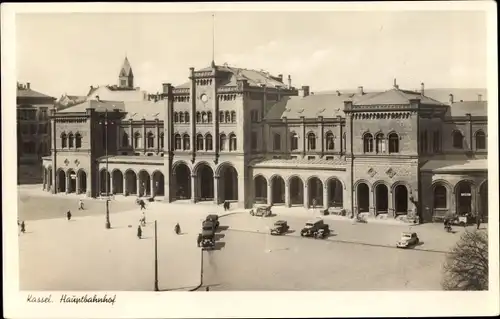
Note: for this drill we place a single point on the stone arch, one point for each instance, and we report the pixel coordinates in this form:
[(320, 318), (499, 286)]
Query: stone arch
[(381, 197), (483, 201), (104, 182), (362, 196), (181, 180), (144, 183), (296, 187), (199, 165), (61, 181), (464, 196), (117, 181), (131, 182), (221, 166), (71, 176), (277, 189), (228, 182), (260, 189), (444, 183), (359, 181), (401, 195), (49, 177), (158, 184), (204, 181), (82, 181), (315, 191), (335, 192)]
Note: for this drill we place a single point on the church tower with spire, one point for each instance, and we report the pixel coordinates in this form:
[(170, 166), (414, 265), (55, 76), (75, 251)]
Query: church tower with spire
[(126, 77)]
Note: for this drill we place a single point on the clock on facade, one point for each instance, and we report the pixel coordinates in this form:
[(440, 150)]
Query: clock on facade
[(204, 98)]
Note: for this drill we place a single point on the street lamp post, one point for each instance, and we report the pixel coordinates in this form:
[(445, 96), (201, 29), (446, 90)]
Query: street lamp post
[(156, 261), (108, 223)]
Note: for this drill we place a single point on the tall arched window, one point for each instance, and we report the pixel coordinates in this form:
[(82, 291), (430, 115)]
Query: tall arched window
[(71, 140), (233, 117), (393, 143), (203, 117), (199, 142), (222, 142), (232, 142), (186, 117), (209, 117), (177, 142), (176, 117), (186, 142), (161, 140), (311, 141), (480, 140), (458, 140), (228, 117), (368, 143), (198, 117), (440, 196), (125, 140), (208, 142), (181, 117), (277, 142), (294, 141), (151, 140), (330, 141), (64, 140), (137, 140), (380, 143), (78, 140), (221, 116)]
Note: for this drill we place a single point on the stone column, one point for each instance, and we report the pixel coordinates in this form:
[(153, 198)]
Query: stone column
[(390, 204), (452, 202), (124, 184), (287, 195), (473, 203), (194, 191), (111, 188), (371, 206), (138, 185), (68, 182), (270, 193), (77, 182), (216, 190), (306, 195), (44, 177), (325, 195)]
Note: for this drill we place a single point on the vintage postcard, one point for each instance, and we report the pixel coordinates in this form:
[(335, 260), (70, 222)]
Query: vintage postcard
[(250, 159)]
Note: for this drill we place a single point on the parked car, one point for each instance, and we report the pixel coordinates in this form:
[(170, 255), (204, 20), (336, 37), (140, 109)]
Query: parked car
[(263, 210), (208, 226), (323, 232), (312, 227), (280, 227), (213, 218), (408, 239), (207, 239)]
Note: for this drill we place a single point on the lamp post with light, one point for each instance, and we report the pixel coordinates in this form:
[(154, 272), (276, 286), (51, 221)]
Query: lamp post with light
[(105, 123)]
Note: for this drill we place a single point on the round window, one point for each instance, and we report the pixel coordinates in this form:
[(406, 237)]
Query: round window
[(204, 98)]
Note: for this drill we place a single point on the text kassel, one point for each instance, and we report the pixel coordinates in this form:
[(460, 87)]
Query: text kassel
[(88, 299), (35, 299)]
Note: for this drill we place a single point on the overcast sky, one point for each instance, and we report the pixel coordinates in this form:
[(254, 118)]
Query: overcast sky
[(64, 52)]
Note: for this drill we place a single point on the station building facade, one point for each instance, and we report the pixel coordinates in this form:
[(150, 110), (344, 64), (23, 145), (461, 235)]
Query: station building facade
[(248, 137)]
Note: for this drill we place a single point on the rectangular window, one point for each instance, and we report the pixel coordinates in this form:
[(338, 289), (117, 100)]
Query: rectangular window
[(310, 158), (276, 157), (293, 157), (277, 142), (329, 158), (253, 141)]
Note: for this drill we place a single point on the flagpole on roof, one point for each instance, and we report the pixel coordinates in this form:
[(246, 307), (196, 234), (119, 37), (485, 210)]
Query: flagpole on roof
[(213, 38)]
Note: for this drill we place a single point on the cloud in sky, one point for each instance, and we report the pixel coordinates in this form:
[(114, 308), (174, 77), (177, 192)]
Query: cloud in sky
[(326, 50)]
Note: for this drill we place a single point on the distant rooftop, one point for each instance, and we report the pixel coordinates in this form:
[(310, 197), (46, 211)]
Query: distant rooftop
[(25, 91)]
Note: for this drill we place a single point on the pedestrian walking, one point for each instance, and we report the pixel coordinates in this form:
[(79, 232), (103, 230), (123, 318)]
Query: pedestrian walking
[(314, 203), (23, 227), (142, 204), (224, 205), (143, 219), (68, 215), (139, 232), (207, 288), (478, 221), (228, 205), (80, 204), (198, 240)]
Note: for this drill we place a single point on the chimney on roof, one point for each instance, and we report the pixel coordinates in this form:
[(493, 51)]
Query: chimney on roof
[(396, 86), (360, 90), (280, 77), (28, 85), (479, 97), (304, 91), (422, 88), (289, 81), (451, 99)]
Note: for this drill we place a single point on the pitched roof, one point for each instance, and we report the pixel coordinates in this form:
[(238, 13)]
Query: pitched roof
[(456, 165), (126, 69), (136, 110), (255, 78), (475, 108), (469, 94), (29, 93), (108, 93), (396, 96)]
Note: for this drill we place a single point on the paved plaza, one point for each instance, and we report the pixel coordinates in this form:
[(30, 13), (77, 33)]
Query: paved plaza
[(56, 254)]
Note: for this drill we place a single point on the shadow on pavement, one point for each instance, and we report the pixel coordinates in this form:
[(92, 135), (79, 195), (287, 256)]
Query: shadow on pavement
[(219, 236), (219, 245), (420, 243), (222, 228)]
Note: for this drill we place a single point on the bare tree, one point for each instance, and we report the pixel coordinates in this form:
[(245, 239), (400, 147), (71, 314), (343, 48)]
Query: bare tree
[(466, 266)]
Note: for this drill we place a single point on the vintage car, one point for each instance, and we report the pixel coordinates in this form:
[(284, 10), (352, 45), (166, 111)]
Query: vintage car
[(208, 226), (214, 219), (313, 226), (207, 239), (407, 239), (280, 227), (322, 232), (264, 210)]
